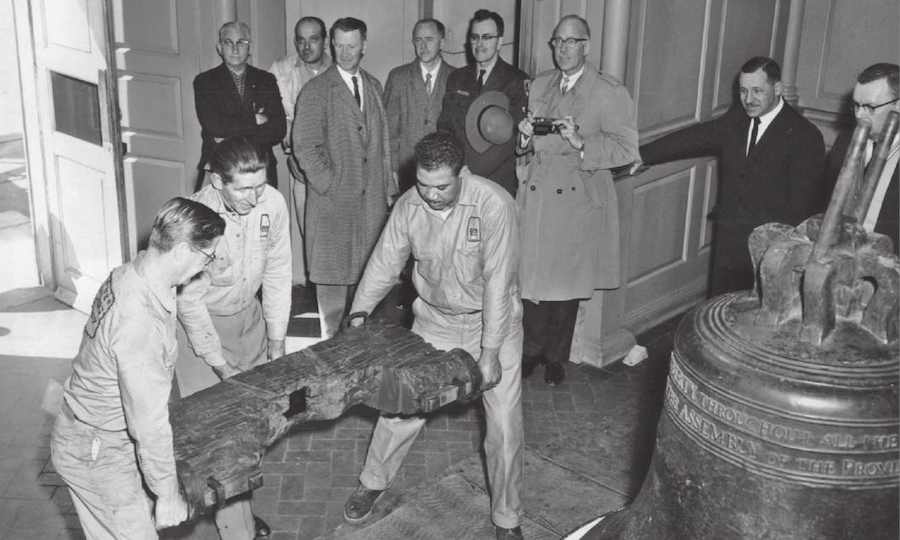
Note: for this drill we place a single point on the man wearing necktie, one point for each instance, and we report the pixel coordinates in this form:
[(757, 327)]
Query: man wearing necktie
[(875, 95), (488, 72), (771, 163), (413, 96), (235, 99), (570, 220), (341, 143)]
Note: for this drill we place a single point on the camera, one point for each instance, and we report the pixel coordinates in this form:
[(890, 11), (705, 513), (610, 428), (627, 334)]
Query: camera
[(544, 126)]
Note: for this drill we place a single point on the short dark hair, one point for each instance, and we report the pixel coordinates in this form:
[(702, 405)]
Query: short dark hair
[(349, 24), (437, 24), (770, 68), (483, 15), (237, 154), (312, 19), (440, 149), (184, 220), (882, 70)]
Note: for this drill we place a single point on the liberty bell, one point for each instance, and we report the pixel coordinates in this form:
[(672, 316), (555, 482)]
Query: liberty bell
[(780, 417)]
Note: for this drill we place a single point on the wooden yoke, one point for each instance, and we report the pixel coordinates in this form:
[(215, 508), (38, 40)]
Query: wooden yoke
[(221, 433), (829, 269)]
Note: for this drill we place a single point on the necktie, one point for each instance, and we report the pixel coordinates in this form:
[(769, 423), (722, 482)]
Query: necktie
[(753, 135), (356, 90), (428, 83), (480, 80), (564, 85)]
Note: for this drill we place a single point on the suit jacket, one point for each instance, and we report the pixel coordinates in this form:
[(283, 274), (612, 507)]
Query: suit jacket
[(498, 162), (888, 221), (411, 113), (345, 155), (222, 112), (780, 181), (570, 213)]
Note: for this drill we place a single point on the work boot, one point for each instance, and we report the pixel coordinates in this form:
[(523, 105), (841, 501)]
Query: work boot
[(359, 506), (508, 534), (529, 362)]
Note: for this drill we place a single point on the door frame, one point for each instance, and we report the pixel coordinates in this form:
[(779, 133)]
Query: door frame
[(36, 110)]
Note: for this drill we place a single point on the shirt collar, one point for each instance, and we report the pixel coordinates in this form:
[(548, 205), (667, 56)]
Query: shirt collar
[(574, 77), (433, 72), (165, 298), (487, 70), (767, 118)]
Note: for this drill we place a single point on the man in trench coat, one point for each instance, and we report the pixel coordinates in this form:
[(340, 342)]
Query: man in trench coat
[(342, 146), (570, 220)]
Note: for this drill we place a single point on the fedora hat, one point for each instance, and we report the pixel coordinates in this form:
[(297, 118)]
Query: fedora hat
[(488, 121)]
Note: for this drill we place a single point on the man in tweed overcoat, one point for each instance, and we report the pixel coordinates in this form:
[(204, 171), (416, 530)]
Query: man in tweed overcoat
[(340, 138)]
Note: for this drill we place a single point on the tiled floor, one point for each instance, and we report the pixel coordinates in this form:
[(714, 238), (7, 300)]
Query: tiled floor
[(599, 425)]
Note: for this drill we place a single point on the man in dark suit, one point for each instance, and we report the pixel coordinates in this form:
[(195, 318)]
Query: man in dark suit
[(413, 95), (489, 72), (874, 97), (236, 98), (341, 143), (771, 160)]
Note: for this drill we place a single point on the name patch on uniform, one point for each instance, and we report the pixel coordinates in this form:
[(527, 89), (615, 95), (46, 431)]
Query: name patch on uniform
[(473, 230), (462, 93), (102, 302), (264, 226)]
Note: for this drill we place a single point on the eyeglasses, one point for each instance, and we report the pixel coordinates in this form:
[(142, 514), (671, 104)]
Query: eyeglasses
[(557, 42), (475, 38), (869, 109), (241, 43), (210, 257)]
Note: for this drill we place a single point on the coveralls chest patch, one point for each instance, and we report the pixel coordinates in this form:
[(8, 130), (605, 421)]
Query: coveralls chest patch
[(264, 225), (473, 230), (102, 302)]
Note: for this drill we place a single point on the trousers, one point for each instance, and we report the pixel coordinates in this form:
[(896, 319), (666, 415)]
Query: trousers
[(504, 442), (100, 467), (244, 344)]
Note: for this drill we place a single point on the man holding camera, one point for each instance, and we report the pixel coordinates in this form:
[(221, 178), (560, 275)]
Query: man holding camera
[(580, 124)]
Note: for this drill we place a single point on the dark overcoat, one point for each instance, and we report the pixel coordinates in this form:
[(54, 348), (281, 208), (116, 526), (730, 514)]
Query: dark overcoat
[(779, 181), (223, 113), (497, 163), (345, 154)]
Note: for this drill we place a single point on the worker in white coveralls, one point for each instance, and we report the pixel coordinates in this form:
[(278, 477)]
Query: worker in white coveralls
[(113, 433), (224, 330), (463, 233)]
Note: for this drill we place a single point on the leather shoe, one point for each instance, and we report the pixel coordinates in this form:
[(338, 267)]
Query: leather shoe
[(263, 530), (508, 534), (359, 506), (529, 362), (554, 373)]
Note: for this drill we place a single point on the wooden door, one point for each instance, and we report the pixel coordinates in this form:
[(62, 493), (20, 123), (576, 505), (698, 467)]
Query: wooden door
[(76, 93), (157, 57)]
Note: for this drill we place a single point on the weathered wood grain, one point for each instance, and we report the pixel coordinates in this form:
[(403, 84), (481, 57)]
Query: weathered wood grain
[(221, 433)]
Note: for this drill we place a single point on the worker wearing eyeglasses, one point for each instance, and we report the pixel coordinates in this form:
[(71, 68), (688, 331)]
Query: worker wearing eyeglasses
[(224, 329), (874, 96), (236, 98), (771, 164), (489, 72)]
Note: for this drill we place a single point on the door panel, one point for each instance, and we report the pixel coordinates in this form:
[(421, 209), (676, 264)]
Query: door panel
[(80, 145), (157, 57)]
